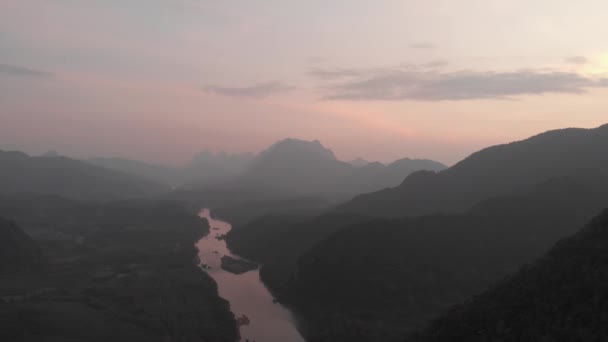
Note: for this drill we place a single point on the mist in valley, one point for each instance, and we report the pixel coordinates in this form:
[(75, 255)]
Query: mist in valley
[(190, 171)]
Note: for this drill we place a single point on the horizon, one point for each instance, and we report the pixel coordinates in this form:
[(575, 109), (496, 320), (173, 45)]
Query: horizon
[(257, 152), (170, 79)]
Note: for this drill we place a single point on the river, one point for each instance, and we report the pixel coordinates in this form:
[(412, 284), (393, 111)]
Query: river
[(268, 321)]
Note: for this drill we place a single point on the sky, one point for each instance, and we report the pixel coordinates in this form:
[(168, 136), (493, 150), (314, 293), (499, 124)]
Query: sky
[(160, 80)]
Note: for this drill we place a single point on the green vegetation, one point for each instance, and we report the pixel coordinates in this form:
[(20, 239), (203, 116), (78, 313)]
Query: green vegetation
[(376, 280), (116, 271), (561, 297), (280, 239)]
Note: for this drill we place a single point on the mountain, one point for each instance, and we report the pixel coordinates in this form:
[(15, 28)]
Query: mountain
[(561, 297), (51, 154), (18, 253), (358, 162), (277, 240), (494, 171), (208, 168), (157, 173), (22, 174), (377, 279), (297, 165), (307, 167), (394, 171), (290, 168)]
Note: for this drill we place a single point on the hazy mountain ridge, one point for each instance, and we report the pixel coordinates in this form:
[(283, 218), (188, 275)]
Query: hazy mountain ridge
[(560, 297), (307, 167), (567, 183), (23, 174), (206, 168), (376, 280), (493, 171), (358, 162), (154, 172), (290, 166)]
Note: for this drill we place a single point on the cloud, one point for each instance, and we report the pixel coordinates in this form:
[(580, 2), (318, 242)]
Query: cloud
[(342, 74), (423, 46), (336, 73), (400, 84), (579, 60), (436, 64), (258, 90), (19, 71)]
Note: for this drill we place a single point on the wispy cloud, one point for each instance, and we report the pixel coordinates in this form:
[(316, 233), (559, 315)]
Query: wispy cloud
[(400, 84), (342, 74), (336, 73), (19, 71), (436, 64), (579, 60), (423, 46), (258, 90)]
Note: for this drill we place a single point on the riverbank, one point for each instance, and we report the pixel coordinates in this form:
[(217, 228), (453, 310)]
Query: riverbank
[(134, 280), (237, 266), (267, 320)]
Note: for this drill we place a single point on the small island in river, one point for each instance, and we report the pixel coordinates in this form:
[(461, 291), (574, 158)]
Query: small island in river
[(237, 266)]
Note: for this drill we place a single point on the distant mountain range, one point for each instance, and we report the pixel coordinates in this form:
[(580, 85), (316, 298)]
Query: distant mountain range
[(289, 166), (23, 174), (561, 297), (447, 236), (358, 162), (209, 168), (498, 170), (307, 167), (206, 168), (153, 172)]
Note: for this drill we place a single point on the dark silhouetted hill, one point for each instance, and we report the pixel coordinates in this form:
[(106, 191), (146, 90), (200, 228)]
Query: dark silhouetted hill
[(124, 271), (22, 174), (561, 297), (376, 280), (494, 171), (157, 173), (276, 241), (205, 169), (18, 252)]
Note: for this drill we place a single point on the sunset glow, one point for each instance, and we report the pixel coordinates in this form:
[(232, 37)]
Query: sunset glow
[(376, 81)]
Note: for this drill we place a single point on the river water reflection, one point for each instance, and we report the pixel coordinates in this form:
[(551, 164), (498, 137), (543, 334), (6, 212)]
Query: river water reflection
[(268, 321)]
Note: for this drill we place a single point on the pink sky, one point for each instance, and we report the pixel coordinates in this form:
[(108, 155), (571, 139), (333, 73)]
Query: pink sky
[(162, 80)]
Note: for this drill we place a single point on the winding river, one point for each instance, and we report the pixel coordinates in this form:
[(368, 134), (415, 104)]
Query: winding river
[(248, 297)]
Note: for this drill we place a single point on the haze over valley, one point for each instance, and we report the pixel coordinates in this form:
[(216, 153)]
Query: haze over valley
[(303, 171)]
